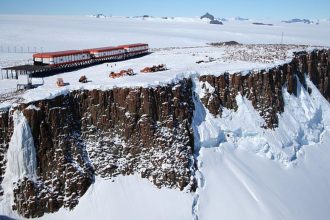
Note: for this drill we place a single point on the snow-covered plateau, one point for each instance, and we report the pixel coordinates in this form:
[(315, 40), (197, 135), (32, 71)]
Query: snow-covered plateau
[(234, 168)]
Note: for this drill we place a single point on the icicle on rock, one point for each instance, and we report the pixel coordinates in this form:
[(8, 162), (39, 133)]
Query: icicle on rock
[(21, 156), (21, 160)]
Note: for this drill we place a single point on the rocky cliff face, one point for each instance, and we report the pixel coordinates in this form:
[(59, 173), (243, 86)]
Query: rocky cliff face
[(264, 88), (5, 133), (144, 131), (318, 70)]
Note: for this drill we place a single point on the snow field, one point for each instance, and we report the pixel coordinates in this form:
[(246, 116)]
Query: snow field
[(126, 198)]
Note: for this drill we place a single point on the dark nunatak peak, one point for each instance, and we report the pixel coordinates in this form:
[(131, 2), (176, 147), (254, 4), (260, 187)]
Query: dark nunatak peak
[(99, 16), (211, 18), (262, 24), (225, 43), (216, 22), (208, 15)]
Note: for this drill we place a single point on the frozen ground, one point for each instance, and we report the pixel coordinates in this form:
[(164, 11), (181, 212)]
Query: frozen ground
[(181, 62), (245, 172)]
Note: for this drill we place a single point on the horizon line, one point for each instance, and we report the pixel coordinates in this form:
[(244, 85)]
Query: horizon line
[(161, 16)]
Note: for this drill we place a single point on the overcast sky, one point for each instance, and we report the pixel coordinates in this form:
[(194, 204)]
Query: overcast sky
[(279, 9)]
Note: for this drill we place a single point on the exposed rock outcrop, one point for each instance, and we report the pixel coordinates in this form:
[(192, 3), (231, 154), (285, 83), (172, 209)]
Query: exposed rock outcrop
[(317, 65), (208, 16), (145, 131), (211, 19), (264, 88), (6, 130), (216, 22), (63, 168)]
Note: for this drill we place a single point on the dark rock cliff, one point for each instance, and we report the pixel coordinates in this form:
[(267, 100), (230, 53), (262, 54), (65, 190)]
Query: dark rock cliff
[(264, 88), (144, 131), (6, 130)]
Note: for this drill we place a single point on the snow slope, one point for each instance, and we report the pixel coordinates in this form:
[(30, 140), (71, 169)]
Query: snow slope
[(246, 172), (129, 197), (241, 185)]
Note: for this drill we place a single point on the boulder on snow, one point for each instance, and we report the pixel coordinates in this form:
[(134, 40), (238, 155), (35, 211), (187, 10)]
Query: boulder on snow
[(216, 22)]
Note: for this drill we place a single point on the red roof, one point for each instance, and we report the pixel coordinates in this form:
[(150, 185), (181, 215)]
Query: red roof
[(58, 53), (133, 45), (74, 52), (102, 49)]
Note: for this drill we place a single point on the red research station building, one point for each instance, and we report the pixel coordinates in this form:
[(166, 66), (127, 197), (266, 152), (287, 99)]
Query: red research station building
[(61, 57)]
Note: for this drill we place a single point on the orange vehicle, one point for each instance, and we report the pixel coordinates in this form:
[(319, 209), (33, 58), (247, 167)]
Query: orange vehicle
[(60, 82), (128, 72), (161, 67)]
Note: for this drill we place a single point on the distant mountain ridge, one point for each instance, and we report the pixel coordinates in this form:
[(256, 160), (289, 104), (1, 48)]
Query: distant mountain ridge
[(99, 16), (297, 20), (211, 18), (241, 19)]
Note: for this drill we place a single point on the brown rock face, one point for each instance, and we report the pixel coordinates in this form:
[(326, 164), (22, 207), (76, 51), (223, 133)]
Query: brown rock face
[(318, 69), (5, 134), (145, 131), (264, 88), (63, 167)]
